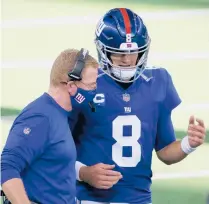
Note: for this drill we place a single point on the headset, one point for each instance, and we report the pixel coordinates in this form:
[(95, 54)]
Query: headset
[(75, 74)]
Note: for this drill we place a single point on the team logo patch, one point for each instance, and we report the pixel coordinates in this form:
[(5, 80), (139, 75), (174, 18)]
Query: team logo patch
[(80, 98), (26, 131), (127, 109), (126, 97)]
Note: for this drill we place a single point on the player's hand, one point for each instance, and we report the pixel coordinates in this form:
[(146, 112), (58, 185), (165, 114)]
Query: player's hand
[(100, 175), (196, 132)]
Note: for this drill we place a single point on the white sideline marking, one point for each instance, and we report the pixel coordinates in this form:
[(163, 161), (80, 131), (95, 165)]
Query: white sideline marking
[(198, 106), (27, 64), (30, 64), (198, 174), (180, 175), (93, 19)]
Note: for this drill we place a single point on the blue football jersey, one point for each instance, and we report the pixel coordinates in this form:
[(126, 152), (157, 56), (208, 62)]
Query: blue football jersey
[(122, 127)]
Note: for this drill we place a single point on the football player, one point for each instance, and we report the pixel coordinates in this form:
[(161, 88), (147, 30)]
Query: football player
[(129, 117)]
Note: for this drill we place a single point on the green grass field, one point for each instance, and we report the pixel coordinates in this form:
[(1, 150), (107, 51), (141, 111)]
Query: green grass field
[(179, 43), (181, 191)]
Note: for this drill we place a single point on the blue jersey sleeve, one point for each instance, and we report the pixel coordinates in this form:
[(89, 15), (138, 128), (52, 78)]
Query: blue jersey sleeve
[(26, 141), (172, 99), (165, 130)]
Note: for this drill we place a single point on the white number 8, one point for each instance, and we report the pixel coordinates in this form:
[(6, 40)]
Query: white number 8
[(124, 141)]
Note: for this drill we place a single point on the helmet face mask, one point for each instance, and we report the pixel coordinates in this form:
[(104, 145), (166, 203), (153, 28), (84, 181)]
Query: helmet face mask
[(112, 39)]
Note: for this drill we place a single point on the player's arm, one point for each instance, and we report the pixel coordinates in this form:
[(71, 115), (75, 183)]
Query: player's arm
[(168, 149), (178, 150), (26, 141), (101, 176), (172, 153), (166, 143)]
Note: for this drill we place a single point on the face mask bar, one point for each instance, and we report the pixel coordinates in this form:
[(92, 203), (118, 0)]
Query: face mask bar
[(107, 65)]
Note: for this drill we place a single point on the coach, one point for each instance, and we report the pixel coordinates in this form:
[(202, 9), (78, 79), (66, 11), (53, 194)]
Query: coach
[(38, 160)]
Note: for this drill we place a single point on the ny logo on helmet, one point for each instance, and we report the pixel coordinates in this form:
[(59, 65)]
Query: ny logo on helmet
[(100, 27)]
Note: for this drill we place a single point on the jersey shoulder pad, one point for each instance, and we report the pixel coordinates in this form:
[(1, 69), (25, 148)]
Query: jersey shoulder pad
[(159, 80), (157, 73)]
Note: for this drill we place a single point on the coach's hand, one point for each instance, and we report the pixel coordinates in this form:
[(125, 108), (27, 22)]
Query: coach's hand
[(100, 175), (196, 132)]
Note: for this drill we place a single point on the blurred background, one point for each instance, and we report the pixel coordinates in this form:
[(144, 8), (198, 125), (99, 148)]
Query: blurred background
[(34, 32)]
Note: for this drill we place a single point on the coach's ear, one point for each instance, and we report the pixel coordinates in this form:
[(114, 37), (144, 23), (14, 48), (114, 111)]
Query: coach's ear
[(72, 88)]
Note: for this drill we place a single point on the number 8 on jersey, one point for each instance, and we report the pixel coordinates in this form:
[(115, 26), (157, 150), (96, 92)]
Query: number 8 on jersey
[(126, 141)]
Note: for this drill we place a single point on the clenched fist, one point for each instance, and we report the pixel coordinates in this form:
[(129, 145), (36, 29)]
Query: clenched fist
[(100, 175)]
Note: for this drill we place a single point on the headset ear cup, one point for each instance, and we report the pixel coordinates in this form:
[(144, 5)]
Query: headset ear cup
[(75, 74)]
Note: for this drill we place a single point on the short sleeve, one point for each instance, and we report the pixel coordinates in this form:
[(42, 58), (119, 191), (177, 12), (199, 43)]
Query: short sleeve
[(165, 131), (172, 99)]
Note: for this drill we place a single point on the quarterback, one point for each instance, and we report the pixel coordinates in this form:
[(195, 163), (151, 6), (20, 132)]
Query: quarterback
[(129, 117)]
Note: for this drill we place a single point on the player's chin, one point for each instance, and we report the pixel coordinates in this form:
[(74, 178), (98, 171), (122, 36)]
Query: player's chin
[(105, 187)]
